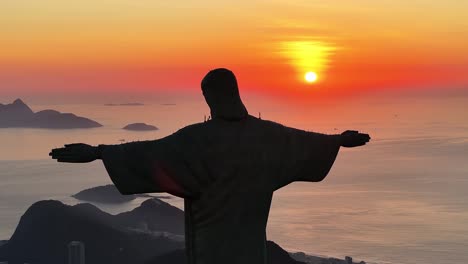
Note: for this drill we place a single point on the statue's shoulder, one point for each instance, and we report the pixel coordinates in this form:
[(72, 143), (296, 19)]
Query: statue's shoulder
[(265, 123), (193, 128), (268, 126), (265, 127)]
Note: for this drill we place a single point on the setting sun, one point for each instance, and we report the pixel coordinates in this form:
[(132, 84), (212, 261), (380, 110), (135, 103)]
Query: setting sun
[(310, 77)]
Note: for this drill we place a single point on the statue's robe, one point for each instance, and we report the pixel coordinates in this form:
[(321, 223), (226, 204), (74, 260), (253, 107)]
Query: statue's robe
[(226, 171)]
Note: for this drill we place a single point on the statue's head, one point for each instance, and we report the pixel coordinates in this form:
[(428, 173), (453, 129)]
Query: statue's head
[(221, 93)]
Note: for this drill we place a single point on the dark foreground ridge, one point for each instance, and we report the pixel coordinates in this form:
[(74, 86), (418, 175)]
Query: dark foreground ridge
[(18, 114), (276, 255), (140, 127), (150, 234), (47, 227)]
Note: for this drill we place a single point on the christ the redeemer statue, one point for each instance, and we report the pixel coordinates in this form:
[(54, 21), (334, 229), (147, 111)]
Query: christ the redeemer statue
[(226, 169)]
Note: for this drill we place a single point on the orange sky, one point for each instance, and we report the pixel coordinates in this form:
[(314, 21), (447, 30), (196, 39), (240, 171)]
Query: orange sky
[(151, 46)]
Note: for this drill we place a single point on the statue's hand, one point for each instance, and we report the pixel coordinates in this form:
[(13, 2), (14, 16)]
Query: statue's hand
[(351, 138), (75, 153)]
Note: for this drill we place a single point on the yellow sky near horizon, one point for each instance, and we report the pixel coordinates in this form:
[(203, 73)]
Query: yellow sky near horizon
[(364, 43)]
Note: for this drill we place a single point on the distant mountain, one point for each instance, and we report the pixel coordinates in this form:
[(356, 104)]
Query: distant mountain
[(140, 127), (18, 114), (105, 194), (18, 107), (47, 227)]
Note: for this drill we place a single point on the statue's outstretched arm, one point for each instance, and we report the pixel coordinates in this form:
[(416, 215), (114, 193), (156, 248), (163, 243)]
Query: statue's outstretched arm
[(352, 138), (76, 153)]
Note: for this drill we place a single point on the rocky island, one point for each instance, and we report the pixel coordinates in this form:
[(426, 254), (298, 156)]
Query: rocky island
[(140, 127), (125, 104), (18, 114), (108, 194)]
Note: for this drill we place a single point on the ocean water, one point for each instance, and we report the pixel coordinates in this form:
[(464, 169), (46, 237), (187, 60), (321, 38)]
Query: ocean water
[(401, 199)]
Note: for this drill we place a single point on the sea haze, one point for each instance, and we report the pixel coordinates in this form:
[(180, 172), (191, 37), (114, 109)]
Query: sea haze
[(401, 199)]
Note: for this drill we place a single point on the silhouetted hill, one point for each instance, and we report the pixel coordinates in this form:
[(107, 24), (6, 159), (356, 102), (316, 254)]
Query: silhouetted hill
[(277, 255), (150, 234), (140, 127), (47, 227), (156, 216), (18, 114), (106, 194)]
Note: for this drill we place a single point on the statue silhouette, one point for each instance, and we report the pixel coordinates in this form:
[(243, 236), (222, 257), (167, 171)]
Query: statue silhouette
[(226, 169)]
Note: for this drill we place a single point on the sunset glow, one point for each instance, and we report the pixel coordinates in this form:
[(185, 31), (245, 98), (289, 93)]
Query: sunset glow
[(91, 47), (334, 129), (312, 57)]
